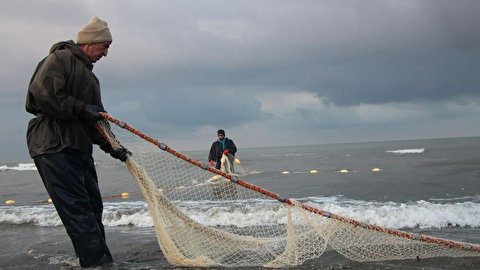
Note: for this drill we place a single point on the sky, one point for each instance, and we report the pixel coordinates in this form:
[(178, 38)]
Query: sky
[(271, 73)]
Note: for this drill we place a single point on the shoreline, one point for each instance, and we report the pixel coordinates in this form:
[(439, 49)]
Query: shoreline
[(137, 248)]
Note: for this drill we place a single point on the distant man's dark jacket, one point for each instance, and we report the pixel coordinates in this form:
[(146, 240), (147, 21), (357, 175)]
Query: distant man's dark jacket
[(61, 85), (216, 151)]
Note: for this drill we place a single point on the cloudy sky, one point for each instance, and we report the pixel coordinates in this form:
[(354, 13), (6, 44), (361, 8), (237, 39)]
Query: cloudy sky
[(268, 72)]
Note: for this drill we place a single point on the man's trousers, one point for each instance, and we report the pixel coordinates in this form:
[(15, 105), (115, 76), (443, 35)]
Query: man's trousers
[(71, 181)]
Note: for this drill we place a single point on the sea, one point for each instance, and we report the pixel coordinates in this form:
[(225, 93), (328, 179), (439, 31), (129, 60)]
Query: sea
[(428, 186)]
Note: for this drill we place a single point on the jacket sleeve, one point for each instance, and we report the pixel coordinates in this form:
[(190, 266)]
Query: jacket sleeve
[(47, 90), (97, 137), (232, 148), (211, 155)]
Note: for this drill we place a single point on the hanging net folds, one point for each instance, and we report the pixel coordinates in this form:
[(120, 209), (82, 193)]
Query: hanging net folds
[(175, 186)]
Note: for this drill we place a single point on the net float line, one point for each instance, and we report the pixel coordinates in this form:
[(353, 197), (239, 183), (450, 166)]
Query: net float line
[(309, 208)]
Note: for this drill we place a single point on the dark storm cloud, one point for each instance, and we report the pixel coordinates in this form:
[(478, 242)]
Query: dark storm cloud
[(265, 70), (350, 52), (186, 109)]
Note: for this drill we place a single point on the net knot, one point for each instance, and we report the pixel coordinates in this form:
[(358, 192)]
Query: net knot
[(327, 214), (234, 179), (364, 225), (416, 236), (163, 146)]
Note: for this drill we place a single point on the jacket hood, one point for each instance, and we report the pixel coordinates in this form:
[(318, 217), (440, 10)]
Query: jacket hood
[(72, 47)]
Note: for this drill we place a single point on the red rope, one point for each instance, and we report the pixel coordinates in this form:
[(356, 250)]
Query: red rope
[(421, 238)]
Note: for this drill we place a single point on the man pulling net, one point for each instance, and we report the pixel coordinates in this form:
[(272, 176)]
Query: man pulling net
[(220, 148)]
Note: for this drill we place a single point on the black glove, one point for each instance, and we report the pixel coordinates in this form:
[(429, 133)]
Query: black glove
[(90, 113), (121, 153)]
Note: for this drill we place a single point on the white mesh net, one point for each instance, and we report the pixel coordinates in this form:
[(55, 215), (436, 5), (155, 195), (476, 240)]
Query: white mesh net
[(170, 182)]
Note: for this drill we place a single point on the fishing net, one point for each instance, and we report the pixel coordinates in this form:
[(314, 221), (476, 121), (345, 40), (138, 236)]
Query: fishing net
[(171, 182)]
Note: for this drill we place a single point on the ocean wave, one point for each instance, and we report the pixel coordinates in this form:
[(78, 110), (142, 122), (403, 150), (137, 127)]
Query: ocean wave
[(41, 215), (32, 167), (407, 151), (19, 167), (420, 214)]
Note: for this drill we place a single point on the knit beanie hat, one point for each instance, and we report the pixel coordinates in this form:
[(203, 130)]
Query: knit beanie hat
[(96, 31), (221, 131)]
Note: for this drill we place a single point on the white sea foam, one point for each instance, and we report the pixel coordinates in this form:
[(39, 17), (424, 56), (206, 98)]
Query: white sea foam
[(64, 259), (127, 214), (32, 167), (41, 215), (407, 151), (420, 214), (19, 167)]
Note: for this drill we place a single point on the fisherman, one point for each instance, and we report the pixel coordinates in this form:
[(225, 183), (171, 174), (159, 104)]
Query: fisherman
[(64, 95), (222, 146)]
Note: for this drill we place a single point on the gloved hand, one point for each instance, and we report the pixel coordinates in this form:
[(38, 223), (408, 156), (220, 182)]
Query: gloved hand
[(121, 153), (90, 113), (226, 152), (212, 163)]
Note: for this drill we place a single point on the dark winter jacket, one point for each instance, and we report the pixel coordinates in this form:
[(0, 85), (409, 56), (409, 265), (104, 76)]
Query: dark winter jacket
[(216, 151), (62, 84)]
